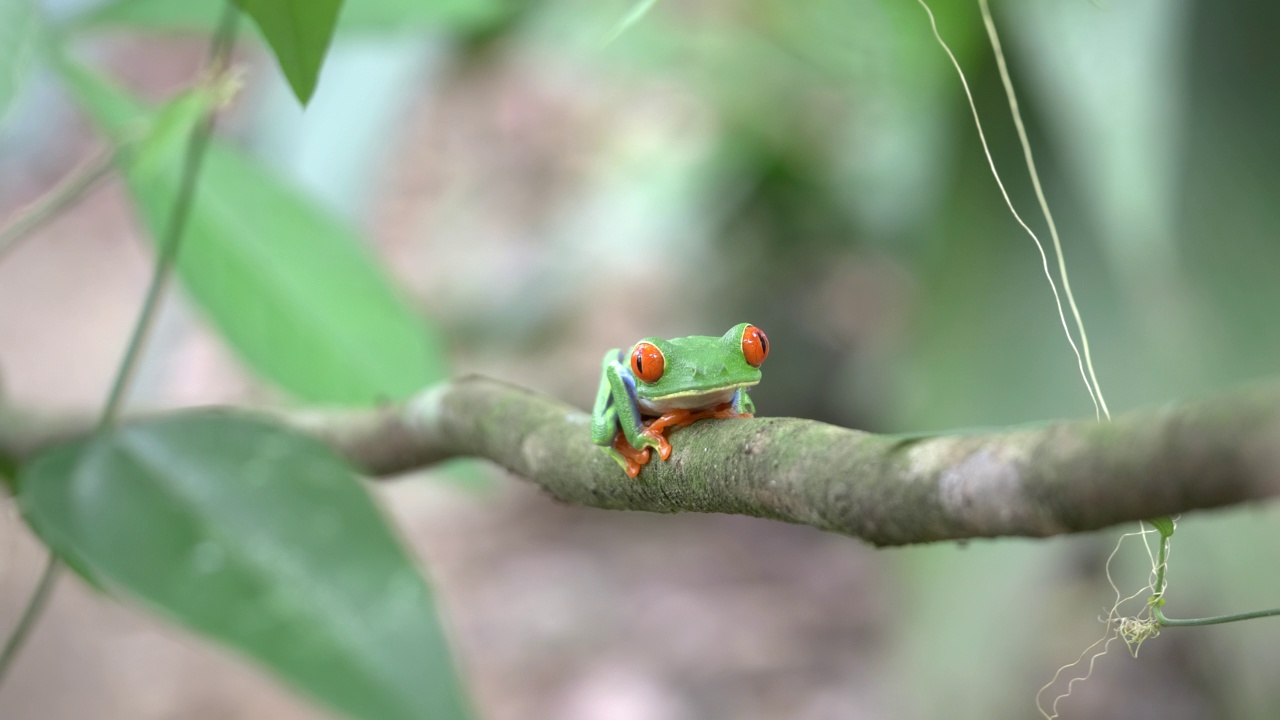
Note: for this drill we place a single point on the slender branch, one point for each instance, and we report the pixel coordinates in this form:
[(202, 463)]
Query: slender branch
[(1063, 477)]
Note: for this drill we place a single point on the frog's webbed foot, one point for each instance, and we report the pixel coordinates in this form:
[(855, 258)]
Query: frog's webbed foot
[(656, 434), (628, 457)]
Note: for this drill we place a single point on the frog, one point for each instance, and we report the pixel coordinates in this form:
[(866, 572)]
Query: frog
[(662, 385)]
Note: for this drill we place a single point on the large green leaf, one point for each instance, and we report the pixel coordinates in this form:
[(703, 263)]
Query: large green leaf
[(293, 291), (299, 33), (358, 15), (259, 538), (20, 33)]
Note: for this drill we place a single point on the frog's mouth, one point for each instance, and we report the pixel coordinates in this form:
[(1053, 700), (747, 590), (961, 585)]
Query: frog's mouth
[(690, 399)]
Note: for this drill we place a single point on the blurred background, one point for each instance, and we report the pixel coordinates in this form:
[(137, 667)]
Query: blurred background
[(542, 193)]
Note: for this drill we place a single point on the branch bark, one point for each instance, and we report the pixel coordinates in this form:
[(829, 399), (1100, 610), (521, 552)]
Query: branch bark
[(1062, 477)]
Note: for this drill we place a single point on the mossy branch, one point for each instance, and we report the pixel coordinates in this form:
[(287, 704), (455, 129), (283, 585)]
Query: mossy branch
[(1062, 477)]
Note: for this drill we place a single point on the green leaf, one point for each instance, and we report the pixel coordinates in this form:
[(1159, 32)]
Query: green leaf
[(292, 290), (259, 538), (299, 33), (358, 16), (1164, 525), (20, 33)]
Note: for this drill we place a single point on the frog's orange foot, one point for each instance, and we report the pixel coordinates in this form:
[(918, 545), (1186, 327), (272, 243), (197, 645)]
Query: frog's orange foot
[(634, 459), (664, 446)]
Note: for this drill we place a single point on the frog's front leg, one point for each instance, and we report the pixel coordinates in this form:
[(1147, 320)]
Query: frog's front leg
[(604, 416), (616, 424), (742, 404)]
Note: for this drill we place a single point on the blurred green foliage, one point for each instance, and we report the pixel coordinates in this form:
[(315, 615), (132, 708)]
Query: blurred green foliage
[(19, 35), (374, 16), (812, 167), (247, 533), (290, 288)]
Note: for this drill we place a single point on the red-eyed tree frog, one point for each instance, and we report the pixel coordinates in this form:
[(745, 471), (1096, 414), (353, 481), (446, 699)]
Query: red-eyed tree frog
[(666, 384)]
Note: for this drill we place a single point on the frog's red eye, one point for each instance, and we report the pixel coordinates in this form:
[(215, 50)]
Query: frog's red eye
[(647, 362), (755, 346)]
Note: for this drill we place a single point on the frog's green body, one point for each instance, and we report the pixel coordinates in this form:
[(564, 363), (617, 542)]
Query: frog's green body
[(697, 376)]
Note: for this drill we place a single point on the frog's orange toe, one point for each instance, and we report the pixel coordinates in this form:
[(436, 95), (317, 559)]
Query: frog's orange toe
[(635, 459)]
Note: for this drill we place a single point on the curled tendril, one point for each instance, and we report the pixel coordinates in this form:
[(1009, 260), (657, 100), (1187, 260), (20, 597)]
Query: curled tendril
[(1137, 630)]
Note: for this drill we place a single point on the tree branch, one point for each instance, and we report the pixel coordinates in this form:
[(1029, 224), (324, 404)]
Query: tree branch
[(1062, 477)]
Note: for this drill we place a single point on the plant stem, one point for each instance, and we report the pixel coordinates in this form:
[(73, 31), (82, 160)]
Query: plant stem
[(219, 59), (61, 197), (1214, 620), (1157, 601), (1161, 562), (37, 603)]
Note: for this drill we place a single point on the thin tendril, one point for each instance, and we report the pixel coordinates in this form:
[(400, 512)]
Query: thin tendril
[(1109, 635), (1044, 203), (1044, 258), (1089, 377)]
